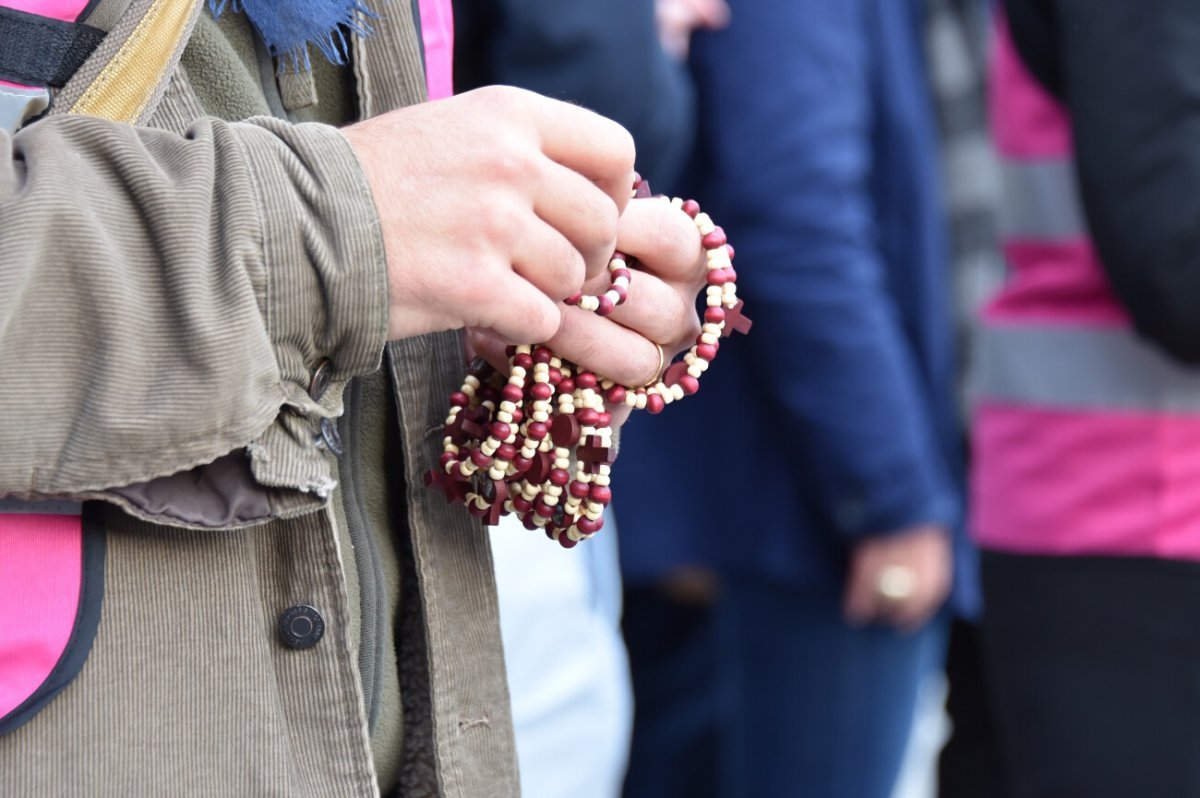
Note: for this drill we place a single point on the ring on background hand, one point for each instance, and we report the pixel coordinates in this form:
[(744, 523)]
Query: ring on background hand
[(896, 583)]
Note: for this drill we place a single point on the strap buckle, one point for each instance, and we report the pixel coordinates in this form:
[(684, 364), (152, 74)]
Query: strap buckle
[(19, 104)]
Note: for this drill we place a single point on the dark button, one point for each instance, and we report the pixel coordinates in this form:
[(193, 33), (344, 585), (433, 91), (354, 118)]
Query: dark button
[(301, 626), (319, 383), (331, 437)]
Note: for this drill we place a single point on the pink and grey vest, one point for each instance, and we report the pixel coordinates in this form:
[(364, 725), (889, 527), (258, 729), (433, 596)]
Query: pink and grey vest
[(1086, 438)]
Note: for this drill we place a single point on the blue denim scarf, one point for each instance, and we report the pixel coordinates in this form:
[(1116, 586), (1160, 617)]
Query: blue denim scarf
[(289, 26)]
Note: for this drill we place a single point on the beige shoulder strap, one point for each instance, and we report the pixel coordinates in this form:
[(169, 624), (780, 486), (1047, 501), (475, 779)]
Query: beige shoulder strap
[(127, 74)]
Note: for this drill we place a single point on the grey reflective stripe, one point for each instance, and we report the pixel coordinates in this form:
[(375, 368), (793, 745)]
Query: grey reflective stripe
[(1083, 368), (17, 507), (1041, 201), (19, 103)]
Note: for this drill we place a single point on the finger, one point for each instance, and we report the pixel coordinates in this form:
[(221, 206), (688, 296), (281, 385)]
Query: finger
[(585, 142), (548, 260), (487, 345), (663, 238), (581, 212), (860, 602), (656, 310), (606, 348), (518, 311)]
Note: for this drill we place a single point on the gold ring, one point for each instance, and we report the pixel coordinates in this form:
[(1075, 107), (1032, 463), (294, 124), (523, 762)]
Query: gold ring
[(896, 583), (662, 365)]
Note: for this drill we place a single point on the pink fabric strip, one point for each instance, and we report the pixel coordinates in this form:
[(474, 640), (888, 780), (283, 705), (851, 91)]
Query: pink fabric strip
[(437, 32), (1086, 482), (40, 576), (64, 10), (1055, 282), (1026, 121)]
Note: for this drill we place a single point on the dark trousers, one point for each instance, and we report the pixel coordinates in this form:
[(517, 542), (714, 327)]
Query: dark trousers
[(770, 695), (1095, 663)]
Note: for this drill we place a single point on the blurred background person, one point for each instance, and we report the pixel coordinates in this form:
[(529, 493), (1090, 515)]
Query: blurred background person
[(1086, 477), (560, 610), (806, 585)]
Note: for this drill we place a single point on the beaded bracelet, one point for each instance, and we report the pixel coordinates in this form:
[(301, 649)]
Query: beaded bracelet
[(538, 442)]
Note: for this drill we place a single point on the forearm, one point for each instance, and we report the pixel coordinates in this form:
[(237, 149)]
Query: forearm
[(164, 300)]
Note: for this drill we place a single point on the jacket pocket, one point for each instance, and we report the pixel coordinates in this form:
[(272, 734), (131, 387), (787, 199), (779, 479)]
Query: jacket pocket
[(51, 589)]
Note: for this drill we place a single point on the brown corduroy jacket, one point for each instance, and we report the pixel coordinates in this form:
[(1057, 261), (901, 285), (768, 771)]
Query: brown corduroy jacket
[(167, 292)]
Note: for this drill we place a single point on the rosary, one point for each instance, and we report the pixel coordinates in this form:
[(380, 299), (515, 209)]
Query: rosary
[(512, 440)]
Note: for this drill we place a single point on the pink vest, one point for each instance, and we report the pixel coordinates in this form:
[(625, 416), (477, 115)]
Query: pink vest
[(1086, 439)]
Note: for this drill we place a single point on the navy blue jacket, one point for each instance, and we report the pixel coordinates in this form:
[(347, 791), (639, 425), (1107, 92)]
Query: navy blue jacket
[(834, 419)]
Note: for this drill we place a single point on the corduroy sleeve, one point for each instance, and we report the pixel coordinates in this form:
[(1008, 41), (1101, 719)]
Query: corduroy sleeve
[(164, 301)]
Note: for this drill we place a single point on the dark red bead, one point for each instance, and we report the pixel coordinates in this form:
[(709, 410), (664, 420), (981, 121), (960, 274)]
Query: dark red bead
[(459, 399), (544, 510), (518, 416), (622, 293), (573, 299), (729, 248), (621, 273), (655, 403), (507, 451), (446, 457), (717, 276), (586, 379), (588, 417), (691, 208), (579, 489), (689, 384), (510, 350), (521, 504), (541, 390), (501, 431), (480, 459), (559, 477), (616, 395), (604, 420), (537, 430), (732, 275), (606, 305), (706, 351), (565, 430), (511, 393), (528, 521), (524, 360), (555, 376), (567, 386), (542, 355), (714, 315), (566, 542), (589, 527), (714, 239), (601, 494), (522, 464)]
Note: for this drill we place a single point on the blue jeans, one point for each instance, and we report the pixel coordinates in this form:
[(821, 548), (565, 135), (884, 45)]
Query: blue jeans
[(817, 708)]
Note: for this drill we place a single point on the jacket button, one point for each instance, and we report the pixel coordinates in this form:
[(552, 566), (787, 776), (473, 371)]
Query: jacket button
[(321, 377), (301, 626), (330, 436)]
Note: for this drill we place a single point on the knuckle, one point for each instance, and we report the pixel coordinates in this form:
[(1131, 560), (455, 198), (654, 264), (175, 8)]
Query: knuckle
[(498, 222)]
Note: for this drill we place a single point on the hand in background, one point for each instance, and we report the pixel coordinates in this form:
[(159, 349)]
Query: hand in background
[(899, 579), (678, 18)]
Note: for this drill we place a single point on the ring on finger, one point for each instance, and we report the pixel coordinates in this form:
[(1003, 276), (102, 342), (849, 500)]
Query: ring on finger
[(896, 583), (659, 369)]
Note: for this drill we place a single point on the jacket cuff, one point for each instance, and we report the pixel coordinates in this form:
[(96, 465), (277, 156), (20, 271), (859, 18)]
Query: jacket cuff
[(325, 300), (890, 506)]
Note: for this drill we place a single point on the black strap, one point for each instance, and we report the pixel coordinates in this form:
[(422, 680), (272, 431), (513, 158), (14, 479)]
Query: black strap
[(38, 51)]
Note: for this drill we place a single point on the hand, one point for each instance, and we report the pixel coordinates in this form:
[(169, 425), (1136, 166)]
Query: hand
[(900, 579), (495, 206), (678, 18), (660, 308)]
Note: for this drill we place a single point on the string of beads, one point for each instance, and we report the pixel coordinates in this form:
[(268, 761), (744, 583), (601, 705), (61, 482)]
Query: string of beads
[(538, 441)]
